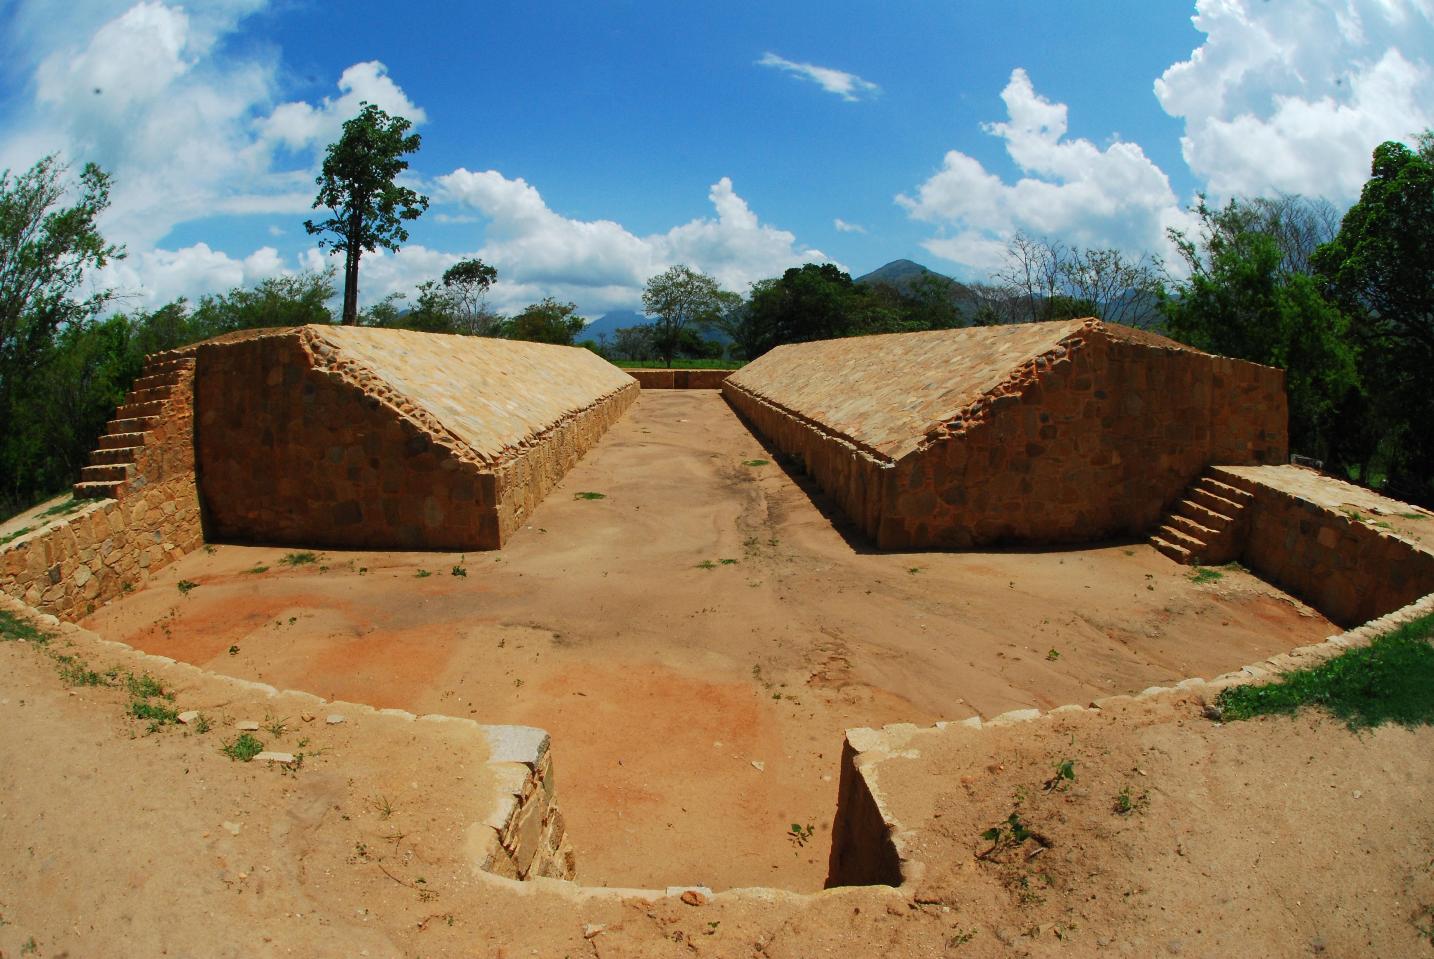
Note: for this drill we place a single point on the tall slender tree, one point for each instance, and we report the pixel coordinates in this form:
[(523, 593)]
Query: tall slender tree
[(357, 186)]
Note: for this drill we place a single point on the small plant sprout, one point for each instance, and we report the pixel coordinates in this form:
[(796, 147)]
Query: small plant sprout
[(382, 806), (755, 462), (1204, 574), (587, 494), (1064, 776), (706, 564), (299, 559), (460, 570), (242, 748), (1011, 834), (233, 650), (1127, 803), (800, 835), (1053, 655), (202, 724), (185, 585), (422, 574), (276, 727)]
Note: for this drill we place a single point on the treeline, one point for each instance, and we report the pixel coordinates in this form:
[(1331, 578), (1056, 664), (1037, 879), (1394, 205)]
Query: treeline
[(1345, 305)]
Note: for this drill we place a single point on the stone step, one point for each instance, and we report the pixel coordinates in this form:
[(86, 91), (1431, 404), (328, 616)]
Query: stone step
[(109, 472), (1204, 535), (1203, 515), (156, 395), (156, 381), (114, 441), (134, 424), (1178, 538), (115, 456), (1233, 479), (1214, 501), (108, 489), (132, 409), (167, 364), (1225, 491), (1178, 553)]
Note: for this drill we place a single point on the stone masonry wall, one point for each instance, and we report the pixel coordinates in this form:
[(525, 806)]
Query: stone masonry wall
[(1349, 570), (292, 454), (680, 379), (101, 551), (1094, 439), (326, 454)]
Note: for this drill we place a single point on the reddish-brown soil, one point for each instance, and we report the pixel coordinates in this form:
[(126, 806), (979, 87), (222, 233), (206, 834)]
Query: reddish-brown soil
[(697, 640)]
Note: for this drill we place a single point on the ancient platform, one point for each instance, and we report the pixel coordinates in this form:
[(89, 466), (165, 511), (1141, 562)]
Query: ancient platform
[(346, 436), (1039, 433)]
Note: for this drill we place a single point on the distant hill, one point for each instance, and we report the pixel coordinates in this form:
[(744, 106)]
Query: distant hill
[(610, 323), (903, 275)]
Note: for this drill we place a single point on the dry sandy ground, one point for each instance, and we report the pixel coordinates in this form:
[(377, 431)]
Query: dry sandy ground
[(697, 713), (1278, 838)]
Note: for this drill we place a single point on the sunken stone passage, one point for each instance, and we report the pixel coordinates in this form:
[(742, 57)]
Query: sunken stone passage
[(1037, 433), (355, 437)]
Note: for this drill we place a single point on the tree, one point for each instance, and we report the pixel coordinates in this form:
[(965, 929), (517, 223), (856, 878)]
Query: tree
[(1380, 269), (545, 322), (469, 281), (1242, 300), (45, 251), (1045, 280), (357, 186), (296, 299), (681, 299)]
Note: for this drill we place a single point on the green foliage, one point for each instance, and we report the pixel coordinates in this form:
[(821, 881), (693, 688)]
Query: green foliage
[(242, 748), (545, 322), (13, 628), (1380, 271), (185, 585), (1243, 300), (683, 300), (1390, 680), (1203, 574), (299, 559), (589, 495), (299, 299), (368, 209)]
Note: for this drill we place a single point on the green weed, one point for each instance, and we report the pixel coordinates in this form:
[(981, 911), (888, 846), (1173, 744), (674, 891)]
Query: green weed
[(13, 627), (1390, 680), (727, 562), (706, 564), (1127, 803), (1203, 574), (145, 686), (422, 574), (756, 462), (63, 508), (800, 835), (16, 534), (299, 559), (202, 724), (460, 571), (275, 727), (242, 748), (589, 495), (1053, 655), (75, 673), (185, 585), (157, 714), (1064, 775), (261, 568)]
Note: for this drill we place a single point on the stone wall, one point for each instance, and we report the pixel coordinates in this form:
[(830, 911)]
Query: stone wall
[(863, 852), (524, 835), (1094, 439), (327, 453), (105, 549), (680, 379), (1349, 569)]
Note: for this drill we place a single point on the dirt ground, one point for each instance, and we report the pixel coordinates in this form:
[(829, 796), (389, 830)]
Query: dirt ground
[(697, 640), (1279, 838)]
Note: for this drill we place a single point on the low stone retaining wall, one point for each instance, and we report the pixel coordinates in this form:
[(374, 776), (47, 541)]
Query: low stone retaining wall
[(1326, 553), (100, 551), (680, 379)]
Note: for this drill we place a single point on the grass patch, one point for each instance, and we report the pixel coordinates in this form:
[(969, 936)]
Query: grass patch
[(242, 748), (589, 495), (459, 571), (1204, 574), (1390, 680), (261, 568), (299, 559), (11, 537), (685, 364), (157, 714), (75, 673), (144, 686), (422, 574), (13, 627), (62, 508), (185, 585), (756, 462)]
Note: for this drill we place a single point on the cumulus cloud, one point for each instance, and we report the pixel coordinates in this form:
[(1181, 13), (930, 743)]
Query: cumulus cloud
[(149, 278), (1069, 188), (848, 86), (1293, 95), (600, 264), (843, 226), (299, 124)]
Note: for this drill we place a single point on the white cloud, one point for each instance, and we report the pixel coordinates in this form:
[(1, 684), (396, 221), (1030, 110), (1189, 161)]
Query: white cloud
[(848, 86), (599, 263), (1294, 95), (1069, 189), (843, 226), (150, 278), (298, 124)]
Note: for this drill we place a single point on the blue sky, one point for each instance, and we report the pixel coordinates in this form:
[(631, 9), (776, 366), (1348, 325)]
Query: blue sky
[(582, 147)]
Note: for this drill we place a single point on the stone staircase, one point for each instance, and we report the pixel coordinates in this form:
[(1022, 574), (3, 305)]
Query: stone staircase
[(113, 464), (1207, 525)]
